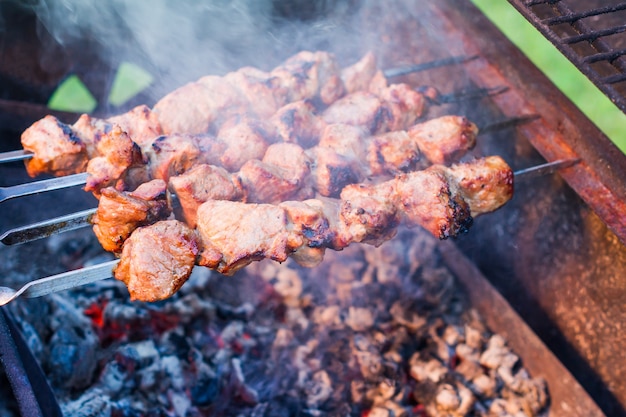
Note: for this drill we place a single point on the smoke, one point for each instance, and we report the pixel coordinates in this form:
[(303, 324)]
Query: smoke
[(179, 41)]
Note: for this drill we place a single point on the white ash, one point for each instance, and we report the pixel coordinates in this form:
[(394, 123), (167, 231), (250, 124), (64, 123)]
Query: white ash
[(371, 331)]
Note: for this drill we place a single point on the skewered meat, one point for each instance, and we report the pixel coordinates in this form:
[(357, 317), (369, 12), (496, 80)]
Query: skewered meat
[(168, 268), (231, 234), (239, 140), (359, 75), (119, 212), (56, 148), (202, 183), (288, 172), (62, 149), (119, 155), (200, 107), (244, 140)]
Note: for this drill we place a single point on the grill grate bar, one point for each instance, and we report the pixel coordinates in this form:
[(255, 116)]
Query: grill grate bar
[(574, 17), (608, 68), (591, 37), (537, 2), (605, 56)]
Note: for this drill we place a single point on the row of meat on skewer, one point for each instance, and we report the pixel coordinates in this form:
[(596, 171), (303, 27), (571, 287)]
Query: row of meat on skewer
[(253, 165)]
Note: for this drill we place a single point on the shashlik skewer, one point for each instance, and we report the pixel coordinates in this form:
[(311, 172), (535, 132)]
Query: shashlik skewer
[(157, 259), (344, 155), (200, 107), (74, 278)]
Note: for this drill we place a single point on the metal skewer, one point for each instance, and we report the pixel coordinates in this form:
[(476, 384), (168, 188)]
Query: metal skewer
[(59, 282), (36, 187), (47, 228)]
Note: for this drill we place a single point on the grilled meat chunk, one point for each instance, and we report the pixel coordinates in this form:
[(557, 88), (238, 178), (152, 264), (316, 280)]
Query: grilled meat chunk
[(140, 123), (235, 234), (119, 153), (311, 75), (297, 123), (119, 213), (330, 171), (392, 153), (445, 138), (200, 106), (157, 260), (281, 175), (244, 140), (172, 155), (405, 105), (485, 183), (56, 148), (360, 109), (358, 76), (202, 183), (263, 91)]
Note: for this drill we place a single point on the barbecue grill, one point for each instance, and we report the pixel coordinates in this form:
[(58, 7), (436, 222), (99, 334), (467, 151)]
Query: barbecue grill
[(544, 271)]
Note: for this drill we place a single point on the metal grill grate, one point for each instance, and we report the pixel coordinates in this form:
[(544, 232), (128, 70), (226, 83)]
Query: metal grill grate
[(590, 33)]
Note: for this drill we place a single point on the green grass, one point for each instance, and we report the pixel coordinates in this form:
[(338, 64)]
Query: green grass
[(574, 84)]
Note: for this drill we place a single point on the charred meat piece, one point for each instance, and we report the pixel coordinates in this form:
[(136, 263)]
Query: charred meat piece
[(405, 105), (153, 275), (172, 155), (199, 106), (360, 109), (311, 75), (119, 213), (235, 234), (244, 140), (140, 123), (432, 202), (392, 153), (358, 76), (118, 153), (330, 171), (445, 138), (56, 148), (346, 140), (281, 175), (485, 183), (297, 123), (202, 183), (262, 90)]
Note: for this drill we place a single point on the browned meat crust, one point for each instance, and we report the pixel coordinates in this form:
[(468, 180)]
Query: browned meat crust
[(119, 213), (119, 154), (234, 234), (153, 274), (56, 148), (445, 138), (203, 183)]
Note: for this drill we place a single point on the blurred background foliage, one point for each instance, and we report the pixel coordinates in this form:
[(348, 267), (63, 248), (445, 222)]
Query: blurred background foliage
[(591, 101)]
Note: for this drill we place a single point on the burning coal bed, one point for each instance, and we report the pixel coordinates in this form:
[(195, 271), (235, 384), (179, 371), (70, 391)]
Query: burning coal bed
[(376, 332)]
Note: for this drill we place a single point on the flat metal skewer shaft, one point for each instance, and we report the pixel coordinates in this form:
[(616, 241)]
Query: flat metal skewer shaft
[(36, 187), (47, 228), (13, 156), (59, 282)]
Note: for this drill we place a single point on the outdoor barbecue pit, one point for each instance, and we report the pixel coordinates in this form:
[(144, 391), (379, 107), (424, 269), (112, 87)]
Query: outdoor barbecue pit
[(539, 279)]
